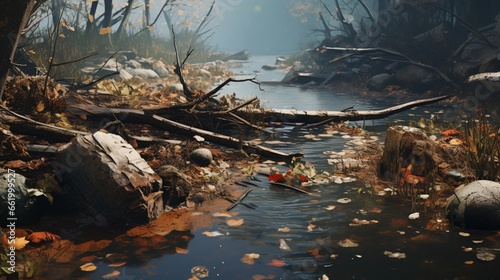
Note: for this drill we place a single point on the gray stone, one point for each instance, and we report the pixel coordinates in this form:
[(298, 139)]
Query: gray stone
[(202, 156), (476, 206), (205, 73), (134, 64), (177, 87), (162, 71), (124, 75), (144, 73), (380, 81), (28, 204)]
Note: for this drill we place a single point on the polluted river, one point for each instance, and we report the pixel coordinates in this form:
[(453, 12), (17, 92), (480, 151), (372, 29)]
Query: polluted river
[(340, 231)]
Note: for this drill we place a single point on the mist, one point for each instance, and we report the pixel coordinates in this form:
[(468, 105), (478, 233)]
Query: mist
[(261, 26)]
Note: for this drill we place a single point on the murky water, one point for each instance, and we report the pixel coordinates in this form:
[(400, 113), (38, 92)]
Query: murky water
[(311, 229)]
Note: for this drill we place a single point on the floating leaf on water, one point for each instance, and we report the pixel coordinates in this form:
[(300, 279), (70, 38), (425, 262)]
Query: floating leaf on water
[(277, 263), (358, 256), (401, 232), (330, 207), (235, 222), (284, 246), (111, 275), (249, 258), (310, 227), (269, 162), (334, 256), (212, 233), (284, 229), (309, 136), (485, 256), (414, 216), (222, 214), (347, 243), (468, 249), (180, 250), (344, 200), (477, 241), (375, 210), (118, 264), (88, 267), (468, 262), (199, 271), (464, 234), (395, 255)]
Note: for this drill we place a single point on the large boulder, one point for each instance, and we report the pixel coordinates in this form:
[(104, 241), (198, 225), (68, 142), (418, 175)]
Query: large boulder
[(380, 81), (476, 206), (104, 176)]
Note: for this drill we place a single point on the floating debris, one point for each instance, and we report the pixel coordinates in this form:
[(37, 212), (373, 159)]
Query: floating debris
[(222, 215), (111, 275), (212, 233), (88, 267), (249, 258), (284, 229), (344, 200), (199, 271), (357, 222), (485, 256), (330, 207), (235, 222), (395, 255), (347, 243), (467, 249), (464, 234), (284, 246), (477, 241), (414, 216), (469, 262)]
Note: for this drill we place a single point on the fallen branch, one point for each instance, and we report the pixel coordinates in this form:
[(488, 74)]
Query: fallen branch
[(239, 200), (290, 187), (307, 116)]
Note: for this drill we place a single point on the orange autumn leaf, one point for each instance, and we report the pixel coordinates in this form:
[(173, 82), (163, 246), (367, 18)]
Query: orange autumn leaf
[(42, 236), (451, 132), (179, 250), (277, 178), (277, 263)]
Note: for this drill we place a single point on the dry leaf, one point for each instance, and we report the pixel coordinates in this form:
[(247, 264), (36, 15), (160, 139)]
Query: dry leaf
[(212, 233), (284, 229), (20, 243), (113, 274), (105, 30), (118, 264), (235, 222), (277, 263), (88, 267), (40, 236), (180, 250), (249, 258)]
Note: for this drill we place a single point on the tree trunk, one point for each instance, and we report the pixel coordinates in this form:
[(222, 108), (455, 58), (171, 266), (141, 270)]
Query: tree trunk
[(14, 15)]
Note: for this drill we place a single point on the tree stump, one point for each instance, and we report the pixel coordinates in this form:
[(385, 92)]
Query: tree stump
[(103, 176)]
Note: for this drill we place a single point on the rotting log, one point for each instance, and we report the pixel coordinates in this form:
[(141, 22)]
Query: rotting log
[(138, 116), (105, 178), (309, 117)]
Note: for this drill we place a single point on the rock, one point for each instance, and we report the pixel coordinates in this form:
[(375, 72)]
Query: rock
[(476, 206), (380, 81), (144, 73), (202, 156), (162, 71), (102, 174), (415, 78), (177, 87), (205, 73), (134, 64), (269, 67), (29, 204), (124, 75)]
